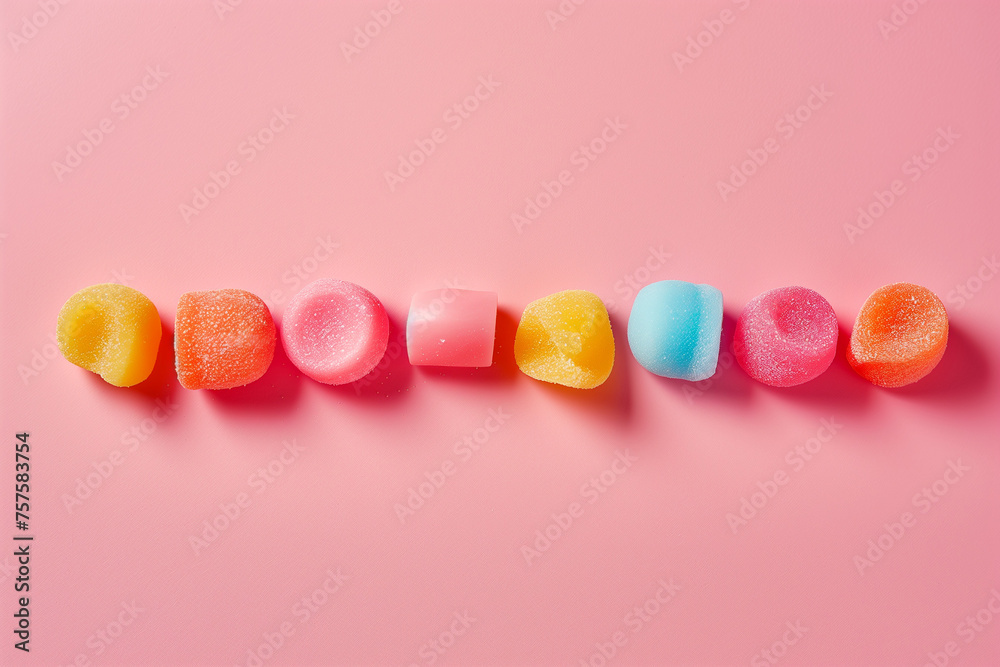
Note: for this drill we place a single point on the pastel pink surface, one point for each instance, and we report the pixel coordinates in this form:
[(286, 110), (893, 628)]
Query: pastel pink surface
[(321, 470), (335, 331), (786, 336), (451, 327)]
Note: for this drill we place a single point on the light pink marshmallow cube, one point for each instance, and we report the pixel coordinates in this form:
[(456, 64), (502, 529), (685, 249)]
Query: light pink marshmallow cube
[(452, 327)]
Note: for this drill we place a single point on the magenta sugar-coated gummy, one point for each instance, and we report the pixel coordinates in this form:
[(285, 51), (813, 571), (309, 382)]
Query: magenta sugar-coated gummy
[(786, 336), (335, 331)]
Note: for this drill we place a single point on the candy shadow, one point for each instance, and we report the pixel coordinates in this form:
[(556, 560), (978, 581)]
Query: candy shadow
[(963, 372), (613, 399), (277, 390), (391, 378), (838, 387), (503, 368), (161, 385)]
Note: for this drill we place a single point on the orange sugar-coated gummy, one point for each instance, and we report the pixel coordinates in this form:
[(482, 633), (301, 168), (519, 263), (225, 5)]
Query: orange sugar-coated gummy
[(900, 335), (111, 330), (222, 339)]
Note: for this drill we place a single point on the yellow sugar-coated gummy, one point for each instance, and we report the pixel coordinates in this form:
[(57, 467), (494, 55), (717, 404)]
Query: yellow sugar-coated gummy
[(566, 338), (111, 330)]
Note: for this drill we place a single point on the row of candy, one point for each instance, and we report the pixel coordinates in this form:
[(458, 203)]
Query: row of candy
[(336, 332)]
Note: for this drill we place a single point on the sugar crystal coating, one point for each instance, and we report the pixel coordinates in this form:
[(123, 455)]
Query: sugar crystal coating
[(112, 330), (566, 338), (675, 327), (786, 336), (222, 339), (335, 331), (899, 336)]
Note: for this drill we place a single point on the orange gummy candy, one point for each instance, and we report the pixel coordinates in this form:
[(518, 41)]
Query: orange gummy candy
[(222, 339), (899, 336)]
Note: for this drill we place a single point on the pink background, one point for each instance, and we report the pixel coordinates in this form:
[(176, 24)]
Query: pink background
[(698, 450)]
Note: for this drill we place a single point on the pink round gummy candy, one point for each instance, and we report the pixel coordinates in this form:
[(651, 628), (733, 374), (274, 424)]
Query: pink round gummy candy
[(786, 336), (335, 331)]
